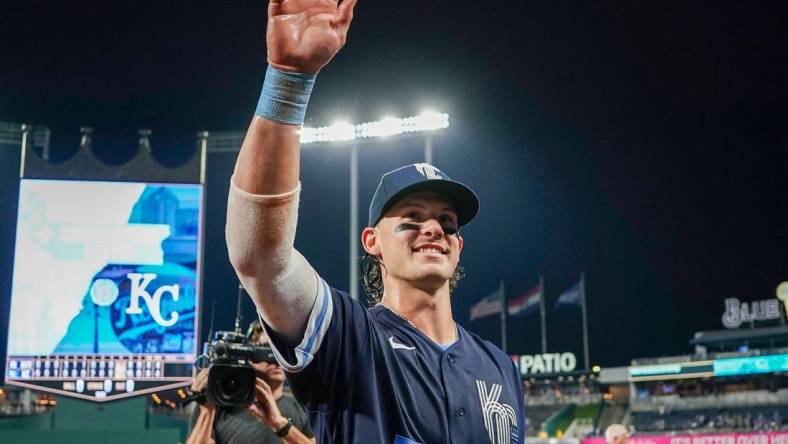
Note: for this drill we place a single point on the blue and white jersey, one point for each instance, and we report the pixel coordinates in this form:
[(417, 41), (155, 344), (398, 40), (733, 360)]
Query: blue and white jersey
[(367, 376)]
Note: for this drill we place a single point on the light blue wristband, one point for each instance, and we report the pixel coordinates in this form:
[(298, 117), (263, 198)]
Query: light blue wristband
[(285, 96)]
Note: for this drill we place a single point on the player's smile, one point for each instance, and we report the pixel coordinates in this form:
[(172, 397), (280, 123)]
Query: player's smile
[(431, 250), (434, 247)]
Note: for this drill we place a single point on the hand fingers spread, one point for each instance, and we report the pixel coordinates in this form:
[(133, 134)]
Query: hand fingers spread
[(345, 14), (263, 393), (259, 393), (263, 386)]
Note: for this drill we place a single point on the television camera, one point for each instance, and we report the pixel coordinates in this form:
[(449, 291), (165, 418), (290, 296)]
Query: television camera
[(231, 377)]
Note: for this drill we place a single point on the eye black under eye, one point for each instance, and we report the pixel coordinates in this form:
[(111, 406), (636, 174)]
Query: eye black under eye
[(450, 230)]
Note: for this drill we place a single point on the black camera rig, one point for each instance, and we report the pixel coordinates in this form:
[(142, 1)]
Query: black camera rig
[(229, 356), (231, 377)]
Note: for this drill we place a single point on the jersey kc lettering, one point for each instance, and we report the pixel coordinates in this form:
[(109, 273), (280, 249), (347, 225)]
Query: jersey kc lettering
[(500, 419)]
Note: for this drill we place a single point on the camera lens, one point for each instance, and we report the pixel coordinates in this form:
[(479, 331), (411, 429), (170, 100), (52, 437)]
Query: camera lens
[(231, 385)]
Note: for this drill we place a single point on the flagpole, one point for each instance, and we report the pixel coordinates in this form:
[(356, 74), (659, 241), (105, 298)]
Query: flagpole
[(504, 309), (585, 319), (542, 313)]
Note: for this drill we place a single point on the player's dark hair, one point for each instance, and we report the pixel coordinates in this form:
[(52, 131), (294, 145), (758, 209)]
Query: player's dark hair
[(372, 274)]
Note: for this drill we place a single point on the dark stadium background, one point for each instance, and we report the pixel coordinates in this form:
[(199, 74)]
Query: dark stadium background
[(642, 143)]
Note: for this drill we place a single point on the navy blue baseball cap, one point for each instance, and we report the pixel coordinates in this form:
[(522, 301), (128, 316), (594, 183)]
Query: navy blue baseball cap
[(394, 185)]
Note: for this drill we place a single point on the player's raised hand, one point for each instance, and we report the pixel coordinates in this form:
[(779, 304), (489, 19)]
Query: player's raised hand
[(303, 35)]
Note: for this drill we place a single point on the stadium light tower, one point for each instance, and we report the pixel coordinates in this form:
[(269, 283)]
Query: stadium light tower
[(426, 122)]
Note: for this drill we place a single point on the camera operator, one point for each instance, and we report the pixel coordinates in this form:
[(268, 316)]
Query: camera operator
[(274, 417)]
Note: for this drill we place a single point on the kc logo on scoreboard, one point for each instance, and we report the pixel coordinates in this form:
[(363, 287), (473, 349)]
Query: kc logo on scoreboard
[(139, 289)]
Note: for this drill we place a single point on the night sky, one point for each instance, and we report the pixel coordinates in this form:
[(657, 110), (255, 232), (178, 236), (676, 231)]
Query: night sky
[(641, 143)]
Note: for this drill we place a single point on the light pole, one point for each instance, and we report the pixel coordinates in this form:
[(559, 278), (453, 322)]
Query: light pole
[(426, 122), (353, 256), (428, 148)]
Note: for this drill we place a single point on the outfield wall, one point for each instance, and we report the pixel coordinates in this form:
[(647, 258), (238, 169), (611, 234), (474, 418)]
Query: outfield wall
[(711, 438)]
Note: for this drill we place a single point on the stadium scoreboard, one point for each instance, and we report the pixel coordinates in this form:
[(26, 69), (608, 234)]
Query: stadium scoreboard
[(105, 287), (747, 365)]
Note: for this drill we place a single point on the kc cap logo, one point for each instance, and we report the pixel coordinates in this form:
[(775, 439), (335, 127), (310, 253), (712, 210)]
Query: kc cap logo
[(416, 177), (428, 171)]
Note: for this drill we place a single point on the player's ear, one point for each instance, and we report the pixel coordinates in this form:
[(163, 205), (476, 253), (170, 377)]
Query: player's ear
[(369, 240), (461, 242)]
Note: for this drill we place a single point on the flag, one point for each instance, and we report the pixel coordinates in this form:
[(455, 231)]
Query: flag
[(526, 303), (487, 306), (571, 296)]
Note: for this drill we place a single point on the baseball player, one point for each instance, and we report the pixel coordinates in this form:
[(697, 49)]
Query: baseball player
[(402, 371)]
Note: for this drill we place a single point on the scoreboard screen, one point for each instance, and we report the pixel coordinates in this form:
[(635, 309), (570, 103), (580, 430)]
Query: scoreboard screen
[(751, 365), (747, 365), (105, 287), (691, 369)]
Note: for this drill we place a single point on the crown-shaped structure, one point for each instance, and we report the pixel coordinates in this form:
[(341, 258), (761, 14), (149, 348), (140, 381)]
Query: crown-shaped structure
[(84, 165)]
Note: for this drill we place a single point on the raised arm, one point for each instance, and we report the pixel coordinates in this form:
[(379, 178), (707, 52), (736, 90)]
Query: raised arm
[(302, 37)]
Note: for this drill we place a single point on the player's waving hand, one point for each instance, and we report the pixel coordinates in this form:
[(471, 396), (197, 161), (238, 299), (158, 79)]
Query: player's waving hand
[(303, 35)]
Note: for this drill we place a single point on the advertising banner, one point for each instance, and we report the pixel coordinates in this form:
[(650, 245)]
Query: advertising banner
[(546, 363), (711, 438)]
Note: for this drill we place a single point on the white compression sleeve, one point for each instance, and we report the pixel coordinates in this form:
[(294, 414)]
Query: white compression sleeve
[(260, 233)]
